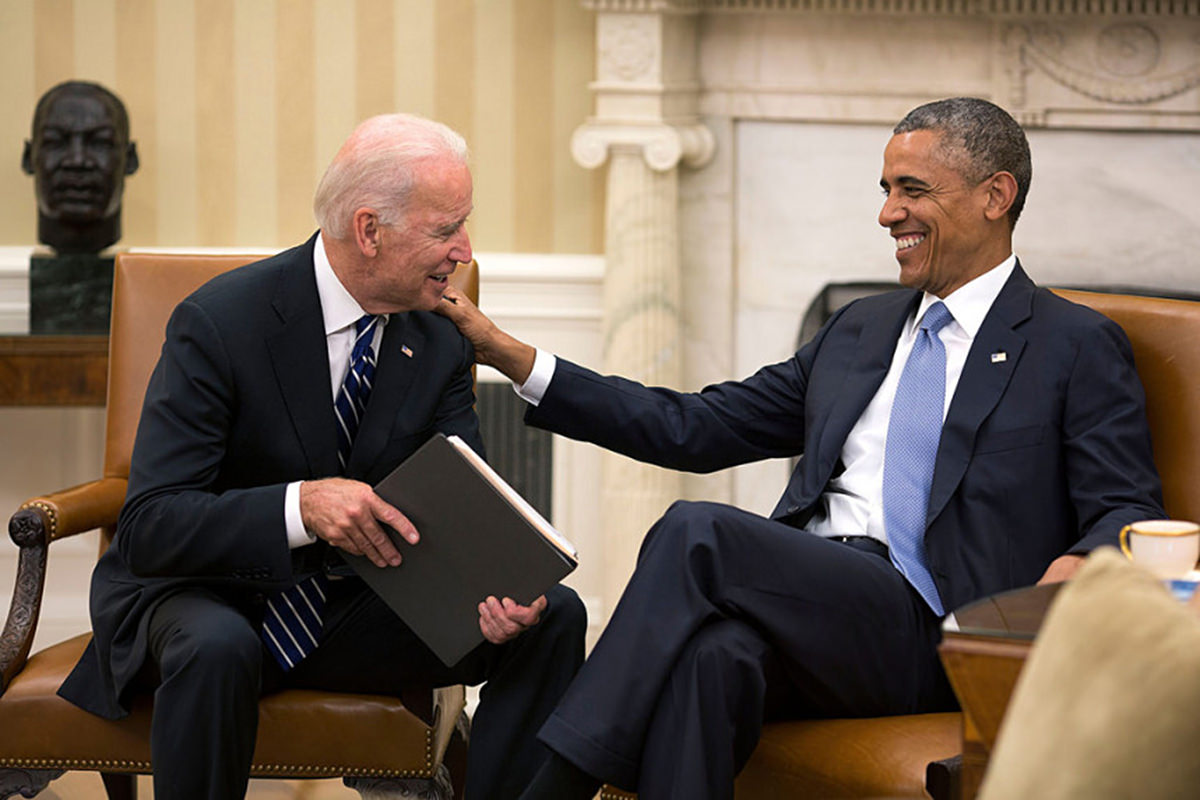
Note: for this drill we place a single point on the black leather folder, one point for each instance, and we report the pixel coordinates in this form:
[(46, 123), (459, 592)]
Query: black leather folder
[(478, 538)]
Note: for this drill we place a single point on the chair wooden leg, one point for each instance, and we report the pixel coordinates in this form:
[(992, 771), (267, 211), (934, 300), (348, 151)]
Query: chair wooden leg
[(119, 785), (25, 782), (455, 758)]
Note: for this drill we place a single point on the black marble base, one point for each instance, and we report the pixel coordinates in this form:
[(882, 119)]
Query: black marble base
[(70, 294)]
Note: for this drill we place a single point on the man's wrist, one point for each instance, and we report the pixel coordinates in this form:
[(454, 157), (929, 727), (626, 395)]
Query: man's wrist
[(293, 520), (533, 388), (511, 356)]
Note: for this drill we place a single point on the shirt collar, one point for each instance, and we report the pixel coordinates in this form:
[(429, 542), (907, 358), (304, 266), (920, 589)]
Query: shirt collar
[(338, 306), (970, 303)]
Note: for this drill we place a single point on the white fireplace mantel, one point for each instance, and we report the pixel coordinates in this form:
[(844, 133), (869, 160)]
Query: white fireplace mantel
[(798, 97), (1117, 64)]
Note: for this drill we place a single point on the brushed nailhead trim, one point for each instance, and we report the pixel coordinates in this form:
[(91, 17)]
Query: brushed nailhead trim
[(276, 770), (76, 763), (49, 511)]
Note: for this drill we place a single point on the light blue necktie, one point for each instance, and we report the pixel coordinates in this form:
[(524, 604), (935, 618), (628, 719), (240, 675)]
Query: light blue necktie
[(913, 434), (292, 623)]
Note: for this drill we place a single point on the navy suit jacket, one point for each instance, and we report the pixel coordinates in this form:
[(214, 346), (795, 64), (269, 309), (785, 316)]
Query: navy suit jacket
[(1044, 451), (238, 406)]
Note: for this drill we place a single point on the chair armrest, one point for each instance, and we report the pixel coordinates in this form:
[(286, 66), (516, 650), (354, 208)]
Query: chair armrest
[(40, 521), (448, 704), (71, 511)]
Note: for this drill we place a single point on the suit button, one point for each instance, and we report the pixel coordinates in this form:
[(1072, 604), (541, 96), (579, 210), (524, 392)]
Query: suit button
[(793, 509)]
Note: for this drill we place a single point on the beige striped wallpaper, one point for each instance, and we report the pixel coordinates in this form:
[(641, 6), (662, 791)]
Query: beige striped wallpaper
[(237, 105)]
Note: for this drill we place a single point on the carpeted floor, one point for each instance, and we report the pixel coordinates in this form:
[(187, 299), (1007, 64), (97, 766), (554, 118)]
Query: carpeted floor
[(87, 786)]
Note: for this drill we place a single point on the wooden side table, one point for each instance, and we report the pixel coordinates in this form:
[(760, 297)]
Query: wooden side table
[(37, 370), (983, 657)]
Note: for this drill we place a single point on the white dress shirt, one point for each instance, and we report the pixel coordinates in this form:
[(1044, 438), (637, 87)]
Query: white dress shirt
[(852, 504), (340, 311)]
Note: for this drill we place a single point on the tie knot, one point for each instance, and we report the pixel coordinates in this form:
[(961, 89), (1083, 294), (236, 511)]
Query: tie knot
[(365, 322), (937, 316)]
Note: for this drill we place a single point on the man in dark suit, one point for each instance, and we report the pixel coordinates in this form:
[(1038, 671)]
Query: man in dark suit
[(966, 435), (249, 473)]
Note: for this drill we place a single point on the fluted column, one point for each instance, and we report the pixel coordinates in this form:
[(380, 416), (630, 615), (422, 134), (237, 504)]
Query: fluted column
[(641, 341), (644, 129)]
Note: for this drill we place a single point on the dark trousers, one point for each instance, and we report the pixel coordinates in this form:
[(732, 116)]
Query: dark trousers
[(729, 616), (212, 669)]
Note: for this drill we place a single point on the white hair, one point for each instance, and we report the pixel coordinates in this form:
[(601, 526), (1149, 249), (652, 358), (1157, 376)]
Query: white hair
[(375, 168)]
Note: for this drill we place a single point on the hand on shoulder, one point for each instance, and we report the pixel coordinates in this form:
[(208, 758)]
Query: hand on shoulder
[(493, 347)]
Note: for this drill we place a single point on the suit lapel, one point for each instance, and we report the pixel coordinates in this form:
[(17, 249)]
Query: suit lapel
[(300, 363), (872, 357), (981, 385), (397, 366)]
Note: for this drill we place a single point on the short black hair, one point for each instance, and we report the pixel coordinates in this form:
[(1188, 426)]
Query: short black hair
[(980, 138)]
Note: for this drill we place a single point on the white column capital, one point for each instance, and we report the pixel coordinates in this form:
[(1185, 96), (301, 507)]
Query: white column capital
[(663, 146)]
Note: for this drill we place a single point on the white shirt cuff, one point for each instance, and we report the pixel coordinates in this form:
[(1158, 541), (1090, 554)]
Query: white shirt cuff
[(534, 388), (296, 535)]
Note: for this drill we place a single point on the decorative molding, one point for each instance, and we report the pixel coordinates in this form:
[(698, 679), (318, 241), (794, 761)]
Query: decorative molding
[(663, 146), (1081, 71), (1008, 8), (1128, 51), (647, 6), (627, 49)]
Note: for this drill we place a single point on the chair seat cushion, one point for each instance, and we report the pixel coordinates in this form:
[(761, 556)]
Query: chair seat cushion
[(301, 733), (844, 758), (878, 757)]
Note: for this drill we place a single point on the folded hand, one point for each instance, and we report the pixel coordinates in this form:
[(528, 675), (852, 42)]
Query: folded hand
[(503, 620)]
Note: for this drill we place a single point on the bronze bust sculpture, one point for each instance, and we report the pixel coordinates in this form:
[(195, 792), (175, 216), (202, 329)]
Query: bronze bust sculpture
[(79, 155)]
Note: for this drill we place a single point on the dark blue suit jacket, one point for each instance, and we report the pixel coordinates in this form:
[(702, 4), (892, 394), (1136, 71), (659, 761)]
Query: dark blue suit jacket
[(238, 406), (1043, 452)]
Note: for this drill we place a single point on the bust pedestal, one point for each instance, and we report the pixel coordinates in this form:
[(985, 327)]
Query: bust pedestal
[(70, 293)]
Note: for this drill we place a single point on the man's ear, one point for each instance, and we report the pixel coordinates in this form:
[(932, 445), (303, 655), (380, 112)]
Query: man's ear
[(366, 231), (27, 158), (1001, 193), (131, 159)]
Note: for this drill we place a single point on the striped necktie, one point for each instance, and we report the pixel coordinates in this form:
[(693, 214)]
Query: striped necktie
[(356, 388), (292, 623), (914, 431)]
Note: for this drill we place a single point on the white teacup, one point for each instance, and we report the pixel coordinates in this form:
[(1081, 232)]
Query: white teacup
[(1167, 547)]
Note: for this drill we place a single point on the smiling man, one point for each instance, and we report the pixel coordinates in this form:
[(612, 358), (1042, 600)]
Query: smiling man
[(957, 438), (284, 391), (79, 155)]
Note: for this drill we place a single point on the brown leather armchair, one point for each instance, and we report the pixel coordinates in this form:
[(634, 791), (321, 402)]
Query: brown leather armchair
[(889, 756), (302, 734), (1165, 335)]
